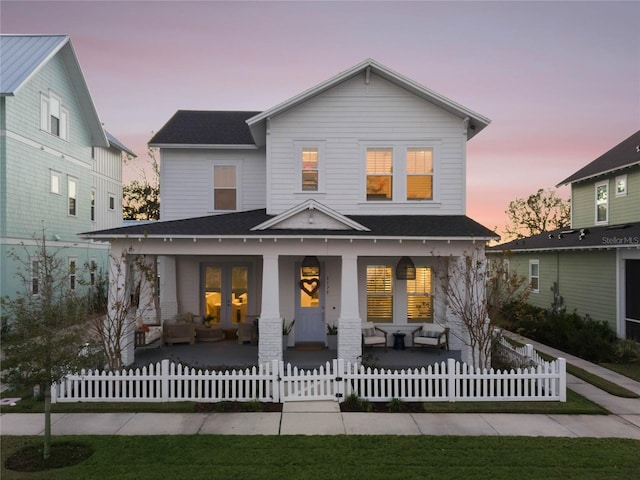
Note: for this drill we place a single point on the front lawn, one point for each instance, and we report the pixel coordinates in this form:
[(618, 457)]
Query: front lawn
[(340, 457)]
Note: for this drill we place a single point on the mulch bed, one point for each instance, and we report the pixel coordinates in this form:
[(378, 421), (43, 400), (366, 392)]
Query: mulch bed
[(383, 407), (237, 407)]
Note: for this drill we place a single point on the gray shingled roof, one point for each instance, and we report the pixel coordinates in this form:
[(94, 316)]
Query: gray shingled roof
[(613, 236), (625, 154), (199, 127), (241, 223)]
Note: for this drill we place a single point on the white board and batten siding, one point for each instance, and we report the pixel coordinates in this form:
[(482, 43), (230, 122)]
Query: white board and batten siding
[(107, 181), (187, 180), (347, 119)]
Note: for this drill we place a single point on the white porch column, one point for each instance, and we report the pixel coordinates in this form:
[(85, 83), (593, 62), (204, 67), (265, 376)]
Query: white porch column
[(147, 272), (118, 318), (168, 288), (270, 339), (458, 334), (349, 322)]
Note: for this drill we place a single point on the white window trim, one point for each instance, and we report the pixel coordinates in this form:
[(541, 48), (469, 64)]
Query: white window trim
[(93, 200), (58, 175), (432, 174), (69, 197), (73, 276), (109, 197), (534, 262), (300, 145), (238, 167), (595, 193), (37, 277), (626, 185), (399, 171), (45, 117)]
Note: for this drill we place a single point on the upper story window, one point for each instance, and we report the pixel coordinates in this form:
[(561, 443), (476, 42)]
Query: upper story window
[(379, 173), (310, 169), (72, 193), (419, 173), (602, 202), (621, 186), (224, 187), (55, 182), (54, 117), (534, 275)]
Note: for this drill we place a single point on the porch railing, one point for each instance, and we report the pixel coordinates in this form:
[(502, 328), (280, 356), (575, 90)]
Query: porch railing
[(449, 381)]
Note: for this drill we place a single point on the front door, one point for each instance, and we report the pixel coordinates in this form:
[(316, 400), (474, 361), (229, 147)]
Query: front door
[(226, 291), (309, 326)]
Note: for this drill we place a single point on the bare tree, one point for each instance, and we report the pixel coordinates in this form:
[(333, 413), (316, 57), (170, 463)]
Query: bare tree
[(132, 298), (540, 212), (474, 295), (141, 198), (45, 331)]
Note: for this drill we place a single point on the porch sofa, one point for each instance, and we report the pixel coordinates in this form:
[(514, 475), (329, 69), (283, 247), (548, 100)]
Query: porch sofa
[(178, 333), (431, 335)]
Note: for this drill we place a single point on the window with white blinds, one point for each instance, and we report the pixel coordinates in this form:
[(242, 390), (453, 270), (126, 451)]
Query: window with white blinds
[(420, 296), (379, 293)]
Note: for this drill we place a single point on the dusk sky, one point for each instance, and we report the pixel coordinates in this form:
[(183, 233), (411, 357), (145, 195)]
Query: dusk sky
[(559, 80)]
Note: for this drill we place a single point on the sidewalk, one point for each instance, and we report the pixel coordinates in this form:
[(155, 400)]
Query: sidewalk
[(325, 418)]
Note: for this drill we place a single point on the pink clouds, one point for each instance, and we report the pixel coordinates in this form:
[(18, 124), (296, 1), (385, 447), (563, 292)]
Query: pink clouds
[(560, 80)]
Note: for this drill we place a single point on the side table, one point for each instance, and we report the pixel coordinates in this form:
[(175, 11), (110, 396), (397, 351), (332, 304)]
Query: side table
[(398, 340)]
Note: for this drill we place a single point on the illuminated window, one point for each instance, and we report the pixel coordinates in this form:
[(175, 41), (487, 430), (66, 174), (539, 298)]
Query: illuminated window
[(224, 188), (310, 169), (379, 293), (420, 296), (379, 173), (419, 174)]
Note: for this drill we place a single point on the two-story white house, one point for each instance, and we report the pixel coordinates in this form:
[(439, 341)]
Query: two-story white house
[(341, 205), (60, 171)]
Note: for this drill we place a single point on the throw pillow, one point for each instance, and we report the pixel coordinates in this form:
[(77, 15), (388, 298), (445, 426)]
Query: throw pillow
[(430, 334), (369, 332)]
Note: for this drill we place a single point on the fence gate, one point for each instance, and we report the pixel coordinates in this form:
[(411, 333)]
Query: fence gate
[(323, 383)]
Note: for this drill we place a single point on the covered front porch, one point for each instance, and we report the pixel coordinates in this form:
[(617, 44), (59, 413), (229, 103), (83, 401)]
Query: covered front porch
[(230, 354)]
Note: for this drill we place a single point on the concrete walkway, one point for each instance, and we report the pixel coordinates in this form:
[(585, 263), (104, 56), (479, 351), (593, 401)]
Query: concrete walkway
[(325, 418)]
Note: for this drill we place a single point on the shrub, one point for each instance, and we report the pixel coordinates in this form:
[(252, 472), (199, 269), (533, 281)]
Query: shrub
[(353, 402), (626, 351), (583, 337), (396, 406)]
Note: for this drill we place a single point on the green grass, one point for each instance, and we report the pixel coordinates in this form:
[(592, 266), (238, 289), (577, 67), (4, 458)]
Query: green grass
[(628, 370), (341, 457)]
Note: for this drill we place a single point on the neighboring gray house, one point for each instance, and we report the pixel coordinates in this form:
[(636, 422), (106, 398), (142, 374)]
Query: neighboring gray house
[(593, 267), (59, 170), (306, 210)]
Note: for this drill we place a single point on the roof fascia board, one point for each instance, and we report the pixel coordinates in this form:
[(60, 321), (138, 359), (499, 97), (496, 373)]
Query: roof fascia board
[(565, 249), (141, 236), (599, 174), (210, 146), (99, 137)]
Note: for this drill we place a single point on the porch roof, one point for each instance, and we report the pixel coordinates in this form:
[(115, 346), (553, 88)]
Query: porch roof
[(240, 224), (588, 238)]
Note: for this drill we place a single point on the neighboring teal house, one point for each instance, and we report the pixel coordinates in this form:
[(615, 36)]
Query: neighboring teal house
[(592, 267), (59, 169)]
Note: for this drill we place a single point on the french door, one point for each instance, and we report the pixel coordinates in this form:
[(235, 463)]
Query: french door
[(226, 293)]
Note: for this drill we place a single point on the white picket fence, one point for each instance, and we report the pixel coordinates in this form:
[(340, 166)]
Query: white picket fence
[(449, 381)]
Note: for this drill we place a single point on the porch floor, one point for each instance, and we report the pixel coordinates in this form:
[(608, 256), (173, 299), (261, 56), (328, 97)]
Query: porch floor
[(231, 354)]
